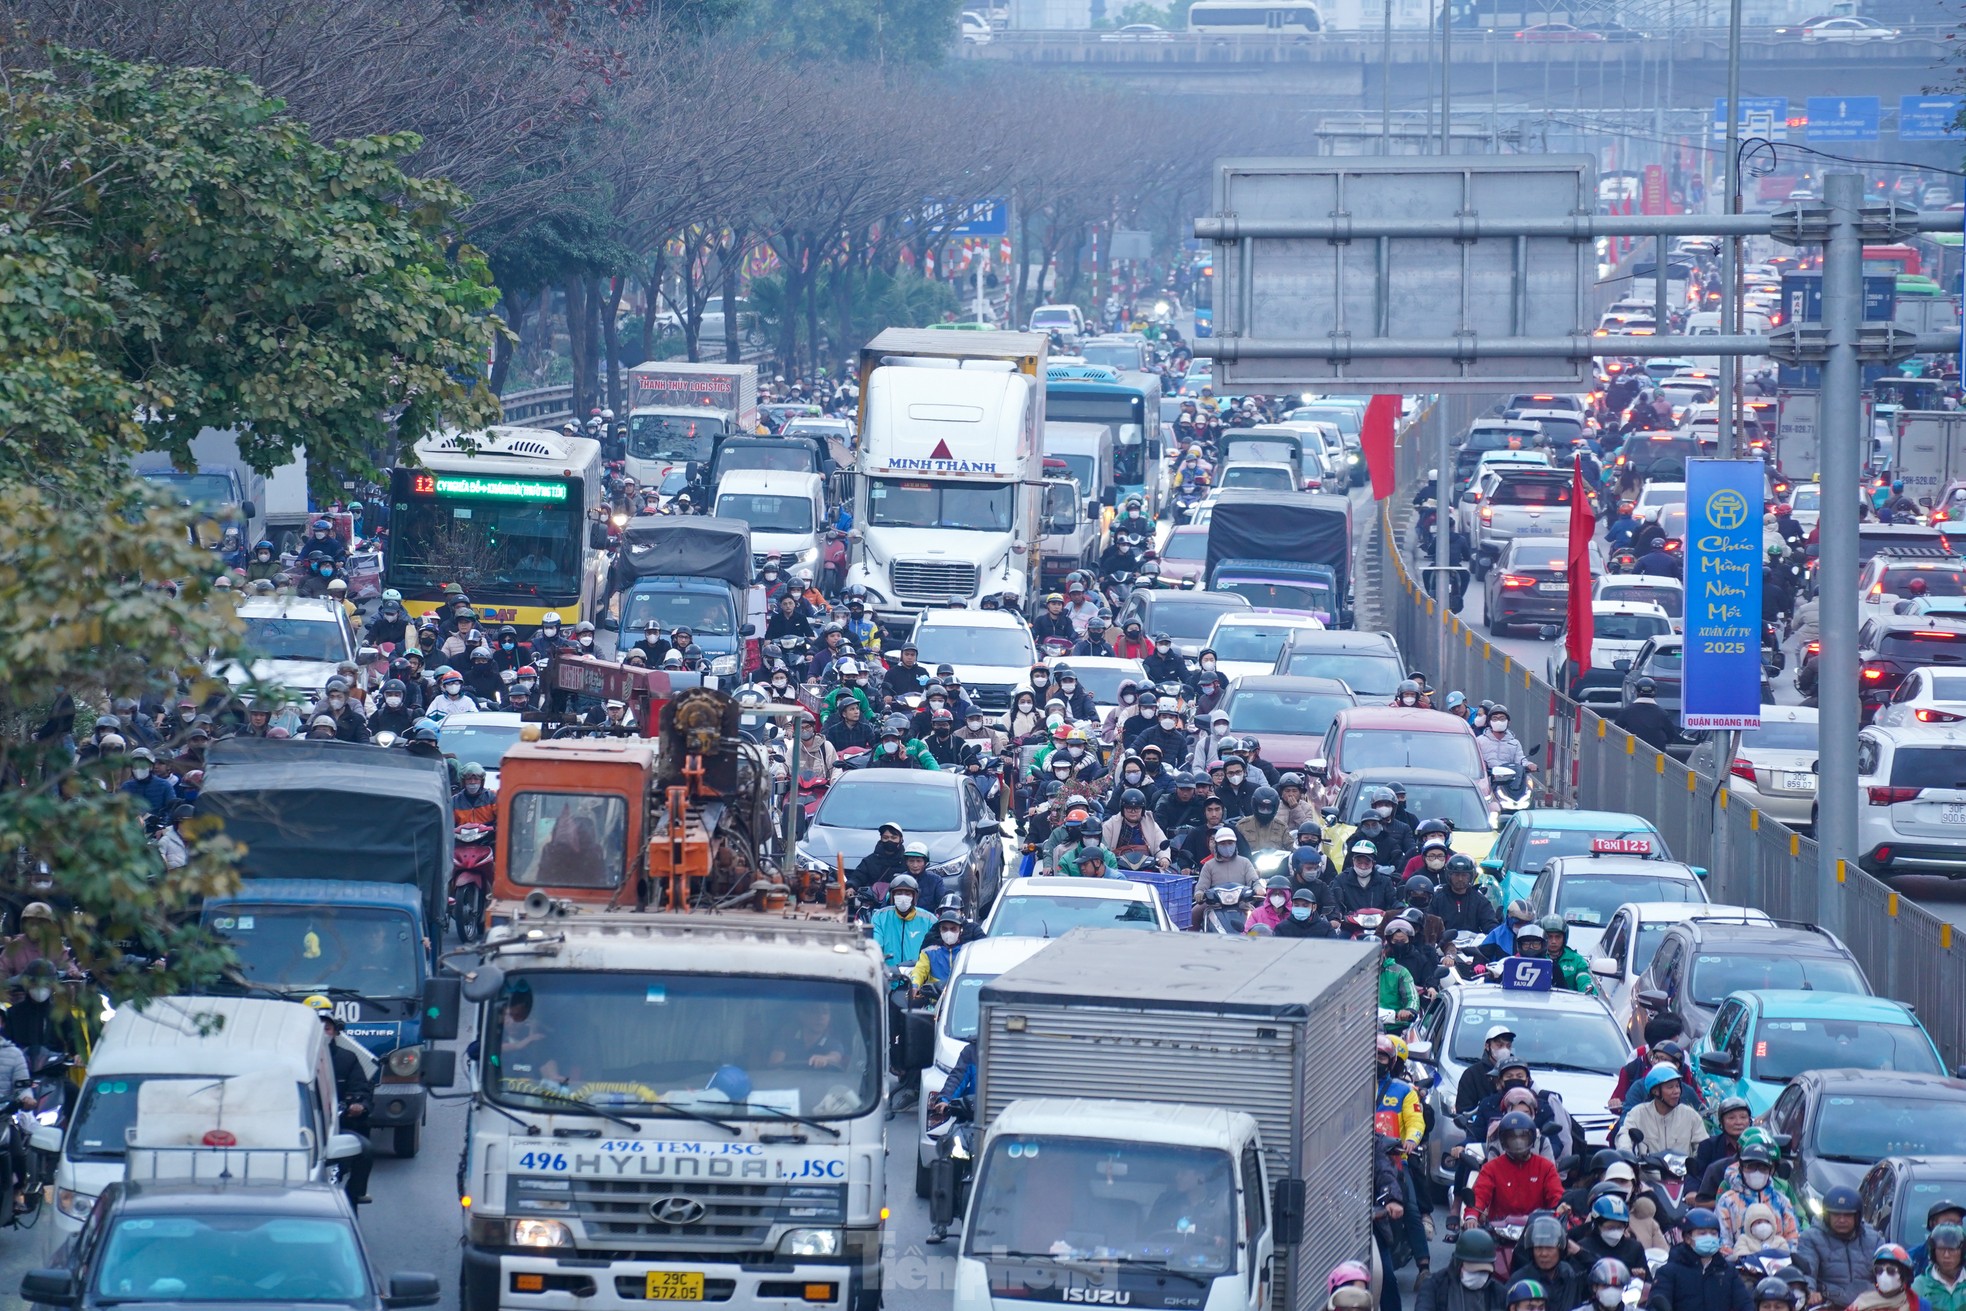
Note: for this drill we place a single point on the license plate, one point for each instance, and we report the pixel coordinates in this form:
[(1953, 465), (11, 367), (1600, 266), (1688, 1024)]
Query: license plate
[(1538, 530), (1552, 587), (1799, 782), (1952, 814), (674, 1286)]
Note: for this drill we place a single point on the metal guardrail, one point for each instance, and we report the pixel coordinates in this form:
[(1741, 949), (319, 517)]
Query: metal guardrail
[(1906, 951), (539, 405)]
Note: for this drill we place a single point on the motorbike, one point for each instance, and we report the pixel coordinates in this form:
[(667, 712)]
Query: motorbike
[(1511, 787), (953, 1126), (1226, 909), (1665, 1171), (1464, 957), (1186, 500), (471, 874), (1507, 1232)]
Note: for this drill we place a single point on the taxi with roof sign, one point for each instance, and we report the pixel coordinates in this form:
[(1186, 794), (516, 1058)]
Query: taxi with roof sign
[(1586, 891), (1531, 838)]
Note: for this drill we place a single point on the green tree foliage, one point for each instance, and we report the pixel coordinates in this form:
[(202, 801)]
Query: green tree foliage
[(233, 272)]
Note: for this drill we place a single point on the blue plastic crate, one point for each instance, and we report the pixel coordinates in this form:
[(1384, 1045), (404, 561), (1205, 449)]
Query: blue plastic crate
[(1176, 892)]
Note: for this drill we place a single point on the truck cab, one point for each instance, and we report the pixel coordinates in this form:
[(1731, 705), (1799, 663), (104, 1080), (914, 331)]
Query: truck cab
[(786, 511), (694, 572)]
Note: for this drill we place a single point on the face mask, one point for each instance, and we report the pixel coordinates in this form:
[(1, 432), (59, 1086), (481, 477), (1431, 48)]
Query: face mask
[(141, 771), (586, 640), (40, 994), (1132, 776), (1208, 663), (1436, 861), (1755, 1179), (1300, 912), (952, 937), (337, 701), (1169, 722), (1761, 1229), (264, 556), (1499, 725), (1475, 1276), (453, 689), (1383, 811), (973, 724), (1363, 873), (890, 747), (509, 646), (1233, 775), (473, 785), (1225, 849), (904, 903), (1706, 1244), (1067, 686), (524, 685), (1127, 698), (778, 680), (1610, 1297), (1612, 1234), (1889, 1281), (550, 630), (1024, 707), (1279, 900)]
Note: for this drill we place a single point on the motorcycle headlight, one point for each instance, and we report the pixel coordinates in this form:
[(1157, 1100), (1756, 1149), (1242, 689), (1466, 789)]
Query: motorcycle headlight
[(50, 1116), (1271, 862), (541, 1233), (724, 665), (810, 1242)]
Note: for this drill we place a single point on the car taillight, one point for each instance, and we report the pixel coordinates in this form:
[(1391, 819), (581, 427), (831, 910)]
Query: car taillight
[(1872, 675), (1488, 514), (1887, 796), (1742, 768), (1927, 715), (1517, 580)]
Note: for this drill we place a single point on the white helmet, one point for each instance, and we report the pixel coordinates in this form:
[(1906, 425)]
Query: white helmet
[(915, 848), (847, 667), (1225, 834)]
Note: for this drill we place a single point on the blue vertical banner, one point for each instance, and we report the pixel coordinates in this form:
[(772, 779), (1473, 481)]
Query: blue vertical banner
[(1721, 685)]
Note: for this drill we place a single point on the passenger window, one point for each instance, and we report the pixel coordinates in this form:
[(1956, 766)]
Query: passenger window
[(1723, 1025), (1866, 756), (1614, 940), (1907, 690), (1783, 1115), (1737, 1037)]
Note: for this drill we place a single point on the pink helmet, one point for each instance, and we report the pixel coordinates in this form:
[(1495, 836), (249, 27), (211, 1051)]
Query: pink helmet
[(1348, 1272)]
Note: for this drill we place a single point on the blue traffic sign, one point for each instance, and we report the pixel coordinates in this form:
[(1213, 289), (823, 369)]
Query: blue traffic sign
[(1760, 116), (1844, 118), (1802, 302), (1928, 118), (982, 218), (1721, 666)]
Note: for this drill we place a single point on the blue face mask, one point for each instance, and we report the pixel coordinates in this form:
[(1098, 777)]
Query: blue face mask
[(1706, 1244), (1300, 912)]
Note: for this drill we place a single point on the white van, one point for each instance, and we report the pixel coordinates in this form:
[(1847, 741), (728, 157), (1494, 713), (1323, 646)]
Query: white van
[(266, 1049), (786, 511)]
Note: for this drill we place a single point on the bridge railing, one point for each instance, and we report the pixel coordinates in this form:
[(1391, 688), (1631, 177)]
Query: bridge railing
[(1589, 762), (539, 405)]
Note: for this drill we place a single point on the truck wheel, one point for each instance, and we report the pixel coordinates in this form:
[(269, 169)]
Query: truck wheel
[(921, 1176), (408, 1138)]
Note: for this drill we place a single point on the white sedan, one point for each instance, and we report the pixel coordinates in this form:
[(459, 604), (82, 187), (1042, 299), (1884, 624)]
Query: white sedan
[(1049, 906), (1927, 696), (1632, 937), (483, 736), (1773, 770), (1848, 29)]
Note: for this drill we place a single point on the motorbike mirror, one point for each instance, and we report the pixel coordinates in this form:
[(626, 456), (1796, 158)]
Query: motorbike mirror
[(611, 623), (1317, 767), (367, 655), (914, 1042), (1547, 632), (1621, 665)]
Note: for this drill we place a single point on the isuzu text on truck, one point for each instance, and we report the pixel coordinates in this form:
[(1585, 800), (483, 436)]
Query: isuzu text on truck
[(948, 501)]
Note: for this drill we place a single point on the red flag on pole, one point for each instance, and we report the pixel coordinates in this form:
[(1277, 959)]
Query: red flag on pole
[(1375, 441), (1583, 526)]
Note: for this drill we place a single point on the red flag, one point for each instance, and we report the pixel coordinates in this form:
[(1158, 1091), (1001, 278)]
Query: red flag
[(1375, 440), (1583, 526)]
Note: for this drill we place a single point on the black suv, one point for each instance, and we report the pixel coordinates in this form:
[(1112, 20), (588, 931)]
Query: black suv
[(1368, 662), (1891, 646), (1701, 960), (1833, 1125)]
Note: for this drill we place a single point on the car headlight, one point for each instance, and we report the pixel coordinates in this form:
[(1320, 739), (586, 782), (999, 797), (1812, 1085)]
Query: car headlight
[(950, 867), (1271, 862), (724, 665), (808, 861), (1813, 1201), (406, 1062), (541, 1233), (810, 1242), (74, 1205), (808, 556)]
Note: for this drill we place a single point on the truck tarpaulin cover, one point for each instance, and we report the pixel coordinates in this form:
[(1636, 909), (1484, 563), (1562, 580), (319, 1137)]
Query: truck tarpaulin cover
[(334, 811), (1306, 527), (690, 546)]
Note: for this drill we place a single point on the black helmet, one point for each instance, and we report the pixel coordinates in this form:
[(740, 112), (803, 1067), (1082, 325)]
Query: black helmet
[(1265, 803), (906, 883), (1770, 1289), (1419, 885), (423, 731), (1429, 827), (1644, 687), (1290, 781), (1311, 829), (1132, 797), (1277, 883), (1474, 1245), (1460, 864)]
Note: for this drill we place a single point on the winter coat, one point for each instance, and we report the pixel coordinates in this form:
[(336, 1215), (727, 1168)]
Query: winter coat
[(1841, 1267), (1689, 1282)]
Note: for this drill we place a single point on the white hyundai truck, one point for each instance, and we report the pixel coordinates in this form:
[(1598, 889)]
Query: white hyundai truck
[(677, 1107), (948, 498)]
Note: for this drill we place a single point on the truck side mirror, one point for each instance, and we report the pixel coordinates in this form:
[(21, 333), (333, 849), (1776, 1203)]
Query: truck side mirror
[(914, 1044), (247, 510), (439, 1068), (442, 1000), (1287, 1211)]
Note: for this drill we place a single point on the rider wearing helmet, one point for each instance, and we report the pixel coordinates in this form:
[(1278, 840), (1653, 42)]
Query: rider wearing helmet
[(1274, 909), (1518, 1179), (1606, 1235), (1360, 883), (1539, 1257), (1466, 1282), (1264, 827), (1892, 1272), (1459, 901), (1406, 695), (1645, 719), (1749, 1186), (1733, 1115), (1572, 970), (1697, 1275), (1396, 1106), (1940, 1285), (937, 963), (1666, 1123), (901, 926), (1131, 832)]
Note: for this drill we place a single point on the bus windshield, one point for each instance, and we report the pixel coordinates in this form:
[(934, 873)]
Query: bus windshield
[(503, 548)]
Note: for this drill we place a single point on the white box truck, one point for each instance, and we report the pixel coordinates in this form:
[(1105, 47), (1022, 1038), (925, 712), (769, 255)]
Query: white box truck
[(678, 412), (1930, 451), (948, 499), (1184, 1121)]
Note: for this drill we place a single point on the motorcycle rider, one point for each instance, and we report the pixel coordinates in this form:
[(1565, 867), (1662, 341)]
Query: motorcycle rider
[(1480, 1080), (1264, 828), (847, 726), (1942, 1287), (473, 802), (1645, 719), (884, 862), (897, 751), (1500, 748), (1749, 1182), (1224, 866), (1462, 906), (1733, 1115), (1094, 642), (904, 679), (900, 927), (1468, 1281), (1697, 1276), (1837, 1253), (1891, 1274), (1303, 921), (1666, 1123), (1572, 970), (395, 714), (1363, 885), (1179, 806), (451, 697), (937, 963), (1078, 702), (355, 1091), (1132, 829), (1053, 623), (1165, 664), (1518, 1180), (1540, 1257), (941, 741)]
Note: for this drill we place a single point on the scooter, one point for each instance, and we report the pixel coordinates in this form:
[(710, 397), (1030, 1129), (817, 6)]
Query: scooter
[(471, 873), (1226, 909), (953, 1126)]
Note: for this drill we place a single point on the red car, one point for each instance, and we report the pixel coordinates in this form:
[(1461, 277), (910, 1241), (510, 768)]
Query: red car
[(1389, 737)]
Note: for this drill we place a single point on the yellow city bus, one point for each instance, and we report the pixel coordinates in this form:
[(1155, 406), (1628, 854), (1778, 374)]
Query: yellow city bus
[(516, 516)]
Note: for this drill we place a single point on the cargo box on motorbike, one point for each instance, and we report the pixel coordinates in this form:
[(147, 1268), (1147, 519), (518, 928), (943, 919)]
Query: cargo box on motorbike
[(334, 811), (1299, 527)]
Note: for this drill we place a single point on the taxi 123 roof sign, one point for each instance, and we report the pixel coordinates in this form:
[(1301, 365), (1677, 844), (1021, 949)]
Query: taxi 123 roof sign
[(1349, 297)]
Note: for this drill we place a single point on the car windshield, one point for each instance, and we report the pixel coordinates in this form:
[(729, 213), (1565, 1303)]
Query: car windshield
[(703, 613), (1670, 599), (202, 490), (1561, 431), (1809, 496), (1369, 675), (1261, 477), (908, 503), (1459, 806), (1306, 596), (1185, 546), (1537, 553), (1714, 975), (1591, 899), (1345, 417), (1072, 1200), (673, 436), (732, 1046), (231, 1256), (1784, 1048), (1628, 628), (1544, 1036), (1866, 1127), (1540, 845), (863, 801), (772, 457), (299, 949), (1053, 917), (1400, 748), (1496, 439), (1301, 714), (959, 644), (1081, 469), (294, 638), (1257, 642), (1189, 621), (477, 744), (768, 514), (1780, 735)]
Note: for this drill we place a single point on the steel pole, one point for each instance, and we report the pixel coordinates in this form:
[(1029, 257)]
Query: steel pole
[(1659, 309), (1840, 457), (1386, 83), (1730, 261), (1446, 77), (1443, 484)]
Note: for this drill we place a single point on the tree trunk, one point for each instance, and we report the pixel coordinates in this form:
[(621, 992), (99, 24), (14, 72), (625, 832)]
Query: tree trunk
[(651, 311), (611, 334), (812, 318), (503, 345), (733, 350), (578, 353), (597, 342)]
